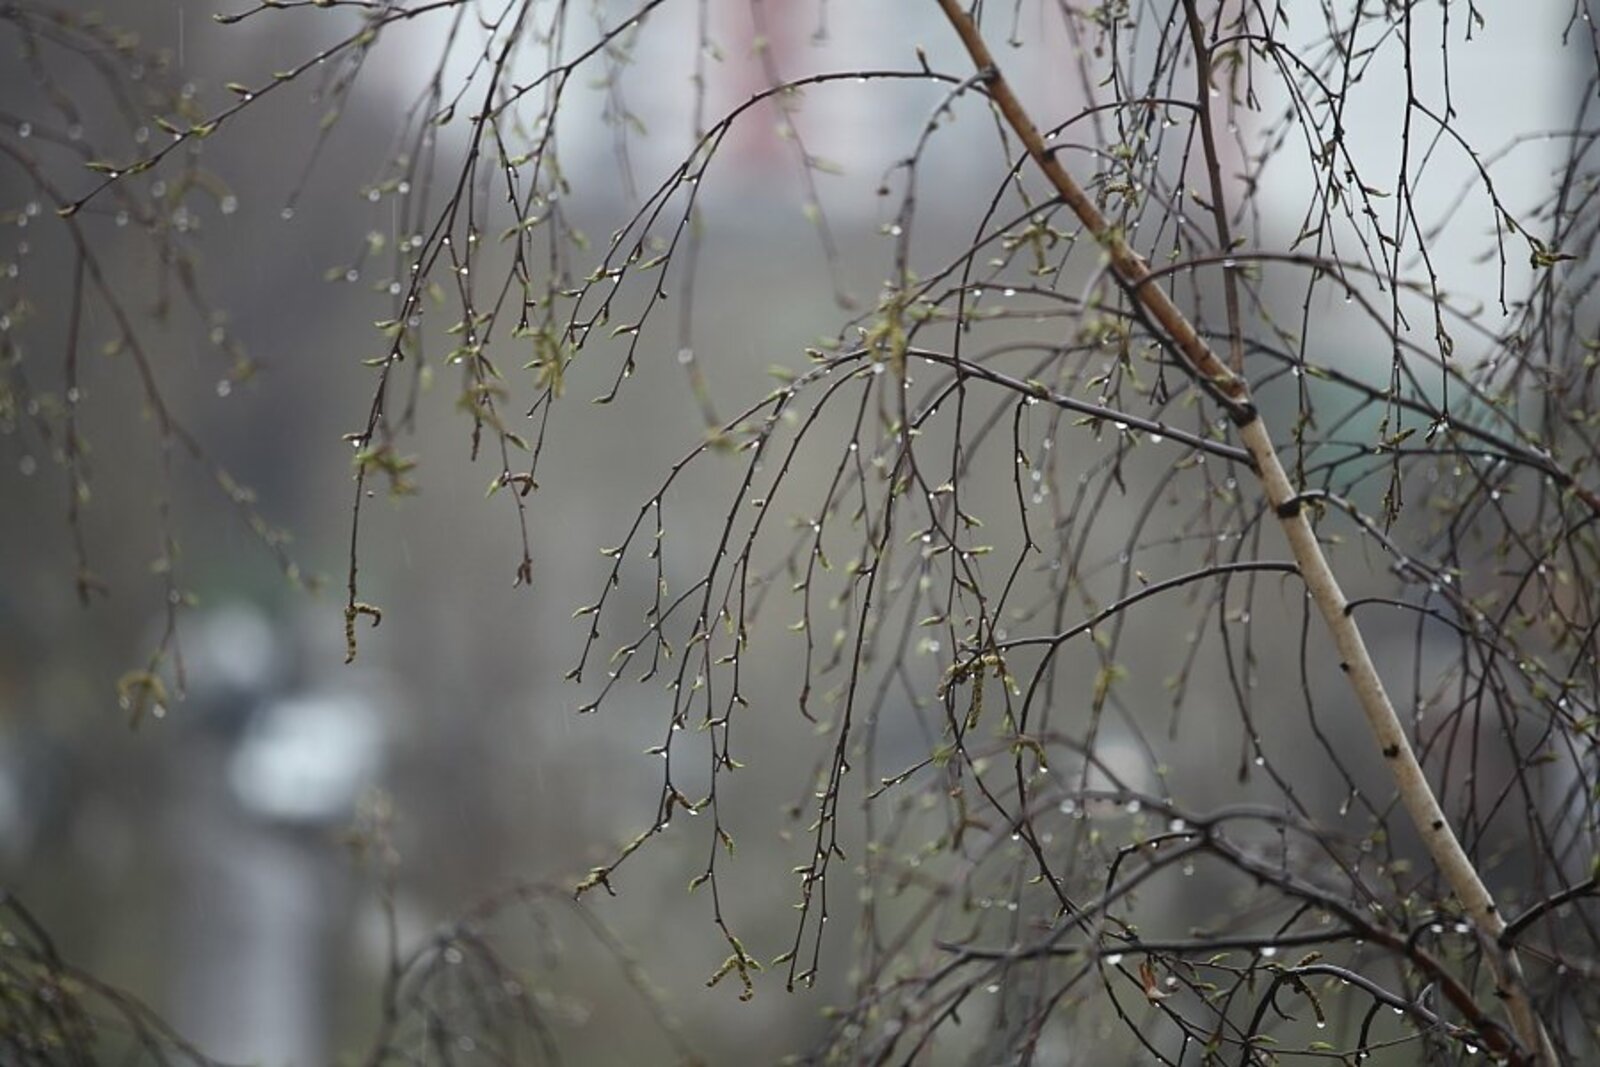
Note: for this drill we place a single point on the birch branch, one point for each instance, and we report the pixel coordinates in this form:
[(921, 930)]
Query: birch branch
[(1233, 391)]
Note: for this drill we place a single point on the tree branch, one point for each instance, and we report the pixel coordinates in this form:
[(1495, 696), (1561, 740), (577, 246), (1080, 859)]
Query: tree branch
[(1234, 392)]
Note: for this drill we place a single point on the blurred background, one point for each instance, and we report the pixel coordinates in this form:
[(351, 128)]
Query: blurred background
[(243, 857)]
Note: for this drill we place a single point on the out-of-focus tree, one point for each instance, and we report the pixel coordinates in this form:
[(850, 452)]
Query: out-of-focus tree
[(1187, 345)]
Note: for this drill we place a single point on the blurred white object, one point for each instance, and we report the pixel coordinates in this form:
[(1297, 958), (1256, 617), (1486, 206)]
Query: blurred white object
[(235, 647), (305, 759)]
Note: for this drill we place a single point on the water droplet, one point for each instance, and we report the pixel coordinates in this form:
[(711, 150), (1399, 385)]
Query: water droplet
[(228, 204), (27, 465), (1113, 959), (224, 387), (287, 213), (24, 130), (1269, 951)]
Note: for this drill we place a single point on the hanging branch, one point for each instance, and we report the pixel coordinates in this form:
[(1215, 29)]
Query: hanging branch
[(1233, 391)]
